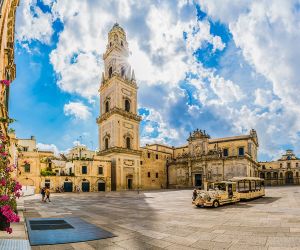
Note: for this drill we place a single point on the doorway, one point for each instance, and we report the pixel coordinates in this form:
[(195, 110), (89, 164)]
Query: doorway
[(289, 177), (68, 186), (129, 183), (198, 180), (85, 187), (101, 186)]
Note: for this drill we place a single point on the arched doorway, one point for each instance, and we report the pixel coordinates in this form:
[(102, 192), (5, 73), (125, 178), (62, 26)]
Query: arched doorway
[(68, 186), (129, 182), (198, 180), (85, 186), (289, 177), (101, 186)]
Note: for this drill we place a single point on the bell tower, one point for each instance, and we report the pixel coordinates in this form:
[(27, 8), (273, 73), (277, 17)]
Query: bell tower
[(118, 122)]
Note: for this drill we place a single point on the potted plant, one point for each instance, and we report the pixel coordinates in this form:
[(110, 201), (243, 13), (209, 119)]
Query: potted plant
[(10, 189)]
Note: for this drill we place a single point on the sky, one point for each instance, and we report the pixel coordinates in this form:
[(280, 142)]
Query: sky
[(225, 66)]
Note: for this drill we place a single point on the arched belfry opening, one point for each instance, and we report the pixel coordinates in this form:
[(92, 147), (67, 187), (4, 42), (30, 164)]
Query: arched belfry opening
[(110, 72), (128, 143), (123, 72), (106, 106), (127, 105)]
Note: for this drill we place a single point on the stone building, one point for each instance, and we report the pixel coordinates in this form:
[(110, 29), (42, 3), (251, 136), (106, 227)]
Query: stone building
[(7, 63), (37, 168), (118, 121), (284, 171), (205, 159)]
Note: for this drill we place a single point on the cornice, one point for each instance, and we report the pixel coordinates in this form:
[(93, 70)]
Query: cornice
[(118, 111), (119, 150), (115, 76)]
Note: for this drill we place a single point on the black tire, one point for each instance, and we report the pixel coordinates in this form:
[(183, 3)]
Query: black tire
[(216, 203)]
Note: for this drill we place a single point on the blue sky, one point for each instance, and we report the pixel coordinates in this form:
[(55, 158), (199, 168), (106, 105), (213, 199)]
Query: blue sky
[(223, 66)]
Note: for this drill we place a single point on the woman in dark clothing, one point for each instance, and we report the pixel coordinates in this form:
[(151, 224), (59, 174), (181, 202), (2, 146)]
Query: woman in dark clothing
[(43, 193)]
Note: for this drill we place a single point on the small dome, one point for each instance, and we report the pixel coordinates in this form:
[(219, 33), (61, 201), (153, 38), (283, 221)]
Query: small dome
[(117, 26)]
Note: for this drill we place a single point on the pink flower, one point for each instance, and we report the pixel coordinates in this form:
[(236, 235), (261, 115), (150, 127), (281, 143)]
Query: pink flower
[(17, 194), (9, 214), (5, 82), (9, 230), (4, 198), (17, 187), (8, 169), (3, 182)]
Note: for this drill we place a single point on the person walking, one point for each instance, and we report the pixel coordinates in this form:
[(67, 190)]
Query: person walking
[(43, 193), (47, 191)]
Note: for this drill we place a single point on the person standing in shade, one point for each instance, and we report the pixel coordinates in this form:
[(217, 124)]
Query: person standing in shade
[(43, 194), (47, 191)]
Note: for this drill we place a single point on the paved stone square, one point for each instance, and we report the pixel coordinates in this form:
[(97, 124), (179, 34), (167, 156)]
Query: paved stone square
[(167, 220)]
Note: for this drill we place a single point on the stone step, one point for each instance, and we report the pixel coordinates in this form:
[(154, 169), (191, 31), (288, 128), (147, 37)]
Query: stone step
[(14, 244)]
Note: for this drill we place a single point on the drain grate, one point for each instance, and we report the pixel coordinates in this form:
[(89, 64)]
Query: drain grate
[(49, 225)]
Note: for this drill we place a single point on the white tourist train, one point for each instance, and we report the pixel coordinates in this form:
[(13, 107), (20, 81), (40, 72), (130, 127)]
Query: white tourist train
[(232, 191)]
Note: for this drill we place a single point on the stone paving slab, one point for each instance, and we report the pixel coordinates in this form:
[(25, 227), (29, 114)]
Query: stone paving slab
[(167, 220)]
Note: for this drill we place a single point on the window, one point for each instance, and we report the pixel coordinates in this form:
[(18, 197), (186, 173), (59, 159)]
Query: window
[(106, 143), (110, 72), (241, 151), (149, 155), (288, 164), (297, 174), (110, 44), (100, 170), (275, 175), (268, 175), (84, 169), (128, 143), (47, 183), (296, 164), (122, 71), (149, 175), (281, 165), (156, 175), (225, 152), (141, 162), (27, 168), (122, 43), (263, 167), (281, 175), (127, 105), (156, 156), (106, 106), (25, 149)]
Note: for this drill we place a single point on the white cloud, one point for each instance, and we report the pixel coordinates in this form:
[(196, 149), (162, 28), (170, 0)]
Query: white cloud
[(200, 34), (226, 90), (78, 110), (165, 132), (32, 23), (48, 147)]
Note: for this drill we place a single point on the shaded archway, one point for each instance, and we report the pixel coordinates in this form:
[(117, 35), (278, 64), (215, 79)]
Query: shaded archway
[(68, 186), (101, 185), (85, 186), (289, 177)]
